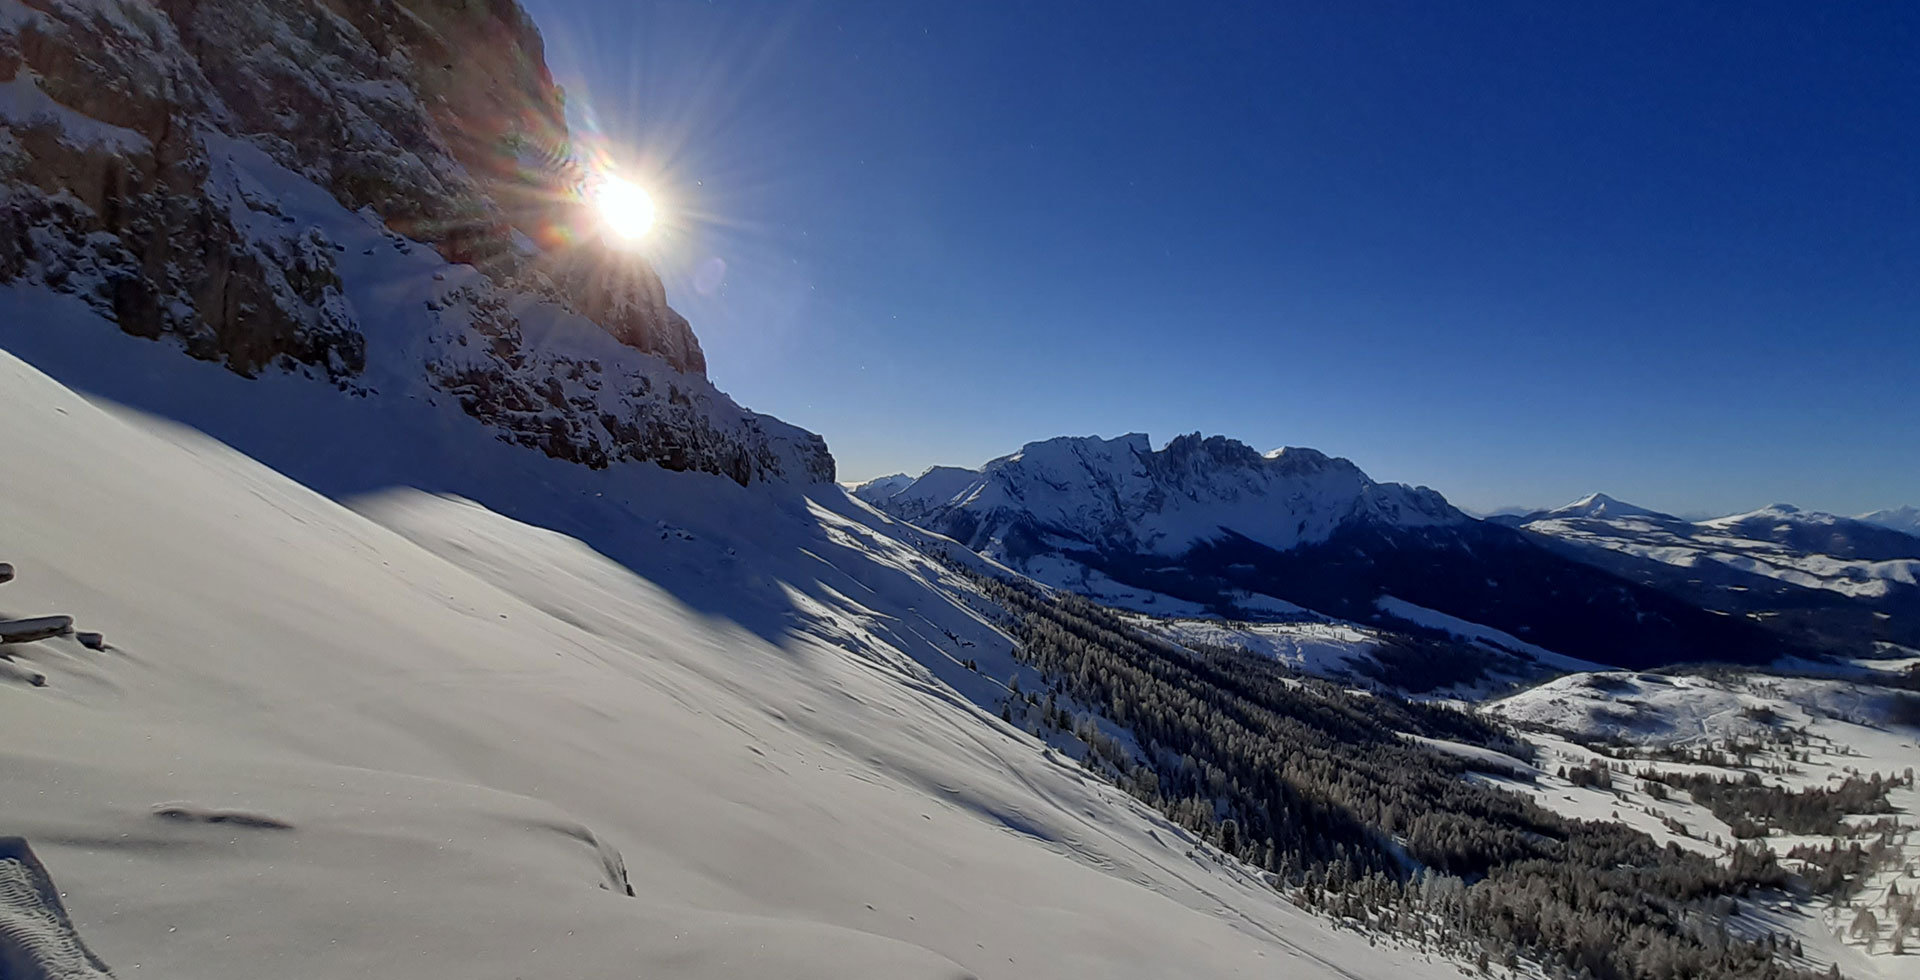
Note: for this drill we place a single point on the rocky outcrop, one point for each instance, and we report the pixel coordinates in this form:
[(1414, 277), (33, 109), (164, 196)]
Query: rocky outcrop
[(104, 193), (149, 153), (441, 116)]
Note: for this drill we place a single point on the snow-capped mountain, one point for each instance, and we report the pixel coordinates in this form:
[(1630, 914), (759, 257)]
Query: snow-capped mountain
[(1122, 494), (1813, 532), (380, 196), (912, 498), (1211, 525), (1600, 506), (1814, 575), (879, 487), (1904, 519), (1806, 548)]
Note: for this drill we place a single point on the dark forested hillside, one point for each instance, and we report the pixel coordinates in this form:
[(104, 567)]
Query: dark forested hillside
[(1323, 788), (1480, 572)]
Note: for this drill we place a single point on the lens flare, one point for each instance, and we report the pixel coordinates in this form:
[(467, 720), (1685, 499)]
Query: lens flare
[(624, 207)]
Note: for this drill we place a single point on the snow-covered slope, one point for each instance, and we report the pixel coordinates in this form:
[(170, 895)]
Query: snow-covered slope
[(879, 488), (1661, 709), (1803, 548), (1833, 584), (913, 498), (428, 740), (1795, 733), (1903, 519)]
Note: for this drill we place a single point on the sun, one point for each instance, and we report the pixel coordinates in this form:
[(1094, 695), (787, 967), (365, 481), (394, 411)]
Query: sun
[(624, 207)]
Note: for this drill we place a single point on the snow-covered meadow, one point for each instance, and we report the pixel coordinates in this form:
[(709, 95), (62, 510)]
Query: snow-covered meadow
[(1798, 733)]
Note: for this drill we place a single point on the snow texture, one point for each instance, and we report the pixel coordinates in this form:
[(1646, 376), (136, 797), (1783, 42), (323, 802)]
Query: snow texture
[(425, 739)]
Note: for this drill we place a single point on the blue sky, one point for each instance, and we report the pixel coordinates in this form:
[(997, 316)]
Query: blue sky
[(1516, 252)]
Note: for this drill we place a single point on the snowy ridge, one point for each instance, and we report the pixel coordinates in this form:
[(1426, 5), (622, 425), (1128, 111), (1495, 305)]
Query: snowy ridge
[(1807, 549), (1904, 519), (879, 488), (1121, 494), (913, 498)]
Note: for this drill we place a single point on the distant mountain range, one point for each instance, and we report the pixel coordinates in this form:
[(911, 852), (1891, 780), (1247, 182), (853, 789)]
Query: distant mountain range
[(1212, 525), (1823, 579), (1899, 518)]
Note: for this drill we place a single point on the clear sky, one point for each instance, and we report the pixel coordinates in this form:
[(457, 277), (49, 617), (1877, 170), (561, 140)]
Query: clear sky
[(1516, 252)]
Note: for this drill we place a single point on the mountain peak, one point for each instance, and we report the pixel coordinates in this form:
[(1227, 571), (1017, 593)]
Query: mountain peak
[(1600, 506), (880, 487), (1122, 495), (1132, 442)]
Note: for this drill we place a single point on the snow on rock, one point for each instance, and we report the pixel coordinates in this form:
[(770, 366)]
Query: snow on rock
[(383, 197), (33, 628)]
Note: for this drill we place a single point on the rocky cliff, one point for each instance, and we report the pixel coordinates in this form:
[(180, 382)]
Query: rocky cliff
[(200, 171)]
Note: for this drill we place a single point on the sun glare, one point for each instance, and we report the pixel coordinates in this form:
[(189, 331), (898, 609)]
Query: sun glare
[(624, 207)]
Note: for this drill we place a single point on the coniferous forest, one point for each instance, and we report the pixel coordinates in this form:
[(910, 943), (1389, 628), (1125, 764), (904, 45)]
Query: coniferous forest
[(1321, 786)]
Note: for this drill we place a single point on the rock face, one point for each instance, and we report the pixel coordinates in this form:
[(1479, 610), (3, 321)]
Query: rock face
[(158, 160)]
